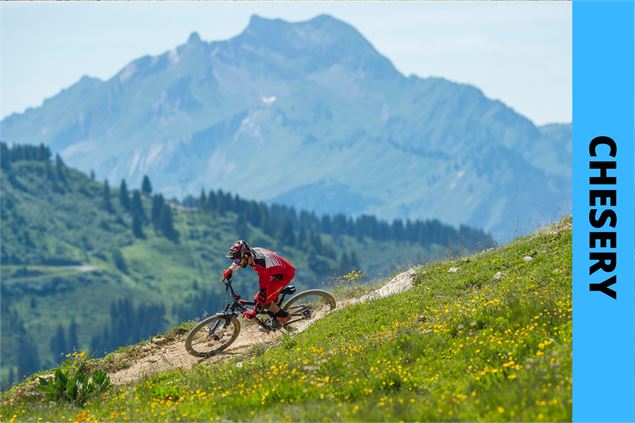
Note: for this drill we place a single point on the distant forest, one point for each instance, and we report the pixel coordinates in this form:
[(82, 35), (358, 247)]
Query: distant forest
[(289, 226), (295, 228)]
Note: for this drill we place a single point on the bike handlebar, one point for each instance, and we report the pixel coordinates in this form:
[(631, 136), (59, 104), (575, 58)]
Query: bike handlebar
[(236, 297), (228, 286)]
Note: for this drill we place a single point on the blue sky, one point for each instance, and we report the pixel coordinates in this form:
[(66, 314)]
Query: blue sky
[(517, 52)]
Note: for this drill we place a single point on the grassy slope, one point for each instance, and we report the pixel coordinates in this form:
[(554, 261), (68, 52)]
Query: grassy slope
[(458, 346)]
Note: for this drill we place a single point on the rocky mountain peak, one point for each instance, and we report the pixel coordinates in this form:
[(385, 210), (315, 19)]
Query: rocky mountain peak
[(321, 30), (319, 43), (194, 39)]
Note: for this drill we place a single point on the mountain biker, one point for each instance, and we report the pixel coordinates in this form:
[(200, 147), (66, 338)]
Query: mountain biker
[(274, 273)]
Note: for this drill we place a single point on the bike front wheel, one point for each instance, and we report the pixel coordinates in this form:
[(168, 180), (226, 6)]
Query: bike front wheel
[(212, 335), (306, 307)]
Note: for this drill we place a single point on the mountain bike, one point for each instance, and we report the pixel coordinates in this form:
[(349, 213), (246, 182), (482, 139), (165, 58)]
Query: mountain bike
[(215, 333)]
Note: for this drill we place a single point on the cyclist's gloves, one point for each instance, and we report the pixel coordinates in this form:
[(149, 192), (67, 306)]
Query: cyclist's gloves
[(260, 298), (227, 274), (249, 314)]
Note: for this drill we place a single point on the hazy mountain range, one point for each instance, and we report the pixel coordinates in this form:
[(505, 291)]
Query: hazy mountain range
[(310, 114)]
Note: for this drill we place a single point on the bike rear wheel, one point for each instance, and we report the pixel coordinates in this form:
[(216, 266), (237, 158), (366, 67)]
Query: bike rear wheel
[(212, 335), (306, 307)]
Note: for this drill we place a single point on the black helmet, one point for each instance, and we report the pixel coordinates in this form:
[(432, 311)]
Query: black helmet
[(237, 250)]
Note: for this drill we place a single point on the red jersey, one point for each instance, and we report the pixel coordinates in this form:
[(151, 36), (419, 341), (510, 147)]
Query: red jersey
[(271, 266)]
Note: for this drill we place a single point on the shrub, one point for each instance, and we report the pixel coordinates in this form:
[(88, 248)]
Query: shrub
[(351, 285), (119, 261), (74, 385)]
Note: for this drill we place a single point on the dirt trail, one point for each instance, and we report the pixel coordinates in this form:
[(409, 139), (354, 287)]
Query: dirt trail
[(162, 355), (47, 272)]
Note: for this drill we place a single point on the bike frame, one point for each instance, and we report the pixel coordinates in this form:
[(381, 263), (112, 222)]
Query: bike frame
[(238, 307)]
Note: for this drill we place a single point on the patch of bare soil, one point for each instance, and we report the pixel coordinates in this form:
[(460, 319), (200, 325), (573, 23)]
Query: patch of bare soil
[(557, 227), (161, 357)]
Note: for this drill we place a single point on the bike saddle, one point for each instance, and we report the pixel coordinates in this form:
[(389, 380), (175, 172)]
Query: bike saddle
[(289, 289)]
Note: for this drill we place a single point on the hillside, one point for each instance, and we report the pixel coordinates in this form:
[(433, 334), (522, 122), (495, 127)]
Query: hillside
[(303, 112), (79, 274), (483, 338)]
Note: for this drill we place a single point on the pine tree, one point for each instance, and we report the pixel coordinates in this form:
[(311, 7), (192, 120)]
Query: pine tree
[(287, 236), (95, 345), (354, 262), (212, 202), (166, 224), (350, 226), (397, 229), (58, 344), (107, 203), (11, 379), (242, 230), (318, 264), (124, 197), (409, 232), (221, 203), (146, 186), (266, 220), (329, 251), (345, 263), (137, 229), (92, 175), (234, 202), (119, 260), (60, 172), (253, 213), (49, 171), (28, 357), (136, 207), (316, 241), (359, 229), (302, 239), (339, 225), (157, 206), (44, 153), (73, 342), (326, 224), (305, 219), (202, 201), (5, 157), (106, 341)]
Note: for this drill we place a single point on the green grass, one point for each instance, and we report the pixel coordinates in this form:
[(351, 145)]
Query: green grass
[(457, 347)]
